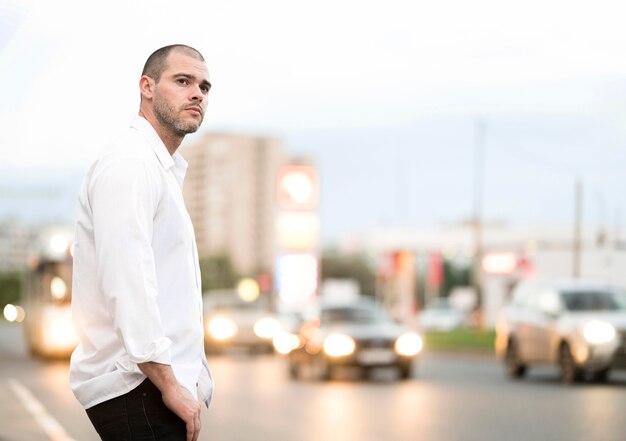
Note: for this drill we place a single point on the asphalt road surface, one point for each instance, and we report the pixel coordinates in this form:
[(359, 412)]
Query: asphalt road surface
[(451, 397)]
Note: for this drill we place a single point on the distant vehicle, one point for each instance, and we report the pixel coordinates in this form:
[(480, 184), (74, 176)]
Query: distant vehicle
[(579, 326), (47, 295), (357, 334), (440, 315), (231, 322)]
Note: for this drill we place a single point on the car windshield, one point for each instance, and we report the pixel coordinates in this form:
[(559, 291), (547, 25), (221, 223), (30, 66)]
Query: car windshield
[(438, 305), (595, 300), (240, 306), (233, 303), (350, 315)]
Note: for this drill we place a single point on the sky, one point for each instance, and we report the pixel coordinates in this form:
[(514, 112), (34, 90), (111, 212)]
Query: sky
[(386, 97)]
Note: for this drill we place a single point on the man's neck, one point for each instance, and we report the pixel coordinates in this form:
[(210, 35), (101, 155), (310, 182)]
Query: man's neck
[(171, 140)]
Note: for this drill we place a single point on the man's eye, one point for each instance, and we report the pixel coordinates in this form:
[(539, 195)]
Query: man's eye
[(182, 81), (204, 90)]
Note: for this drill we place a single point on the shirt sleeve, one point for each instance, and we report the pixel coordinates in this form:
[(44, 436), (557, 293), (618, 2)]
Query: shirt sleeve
[(124, 201)]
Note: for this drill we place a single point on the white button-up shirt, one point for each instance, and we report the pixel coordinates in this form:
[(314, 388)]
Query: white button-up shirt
[(136, 281)]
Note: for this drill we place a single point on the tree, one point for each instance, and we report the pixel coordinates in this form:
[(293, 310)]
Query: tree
[(454, 275), (336, 266), (217, 273), (10, 285)]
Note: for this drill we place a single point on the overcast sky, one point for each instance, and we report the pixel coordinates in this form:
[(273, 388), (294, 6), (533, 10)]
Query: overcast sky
[(384, 95)]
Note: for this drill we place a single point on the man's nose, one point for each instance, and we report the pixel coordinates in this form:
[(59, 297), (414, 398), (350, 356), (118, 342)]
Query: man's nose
[(197, 94)]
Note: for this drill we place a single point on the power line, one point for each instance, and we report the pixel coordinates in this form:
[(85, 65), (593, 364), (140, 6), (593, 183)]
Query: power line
[(560, 167)]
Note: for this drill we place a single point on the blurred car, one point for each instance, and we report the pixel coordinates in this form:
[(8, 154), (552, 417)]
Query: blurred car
[(578, 325), (47, 295), (231, 322), (358, 334), (440, 315)]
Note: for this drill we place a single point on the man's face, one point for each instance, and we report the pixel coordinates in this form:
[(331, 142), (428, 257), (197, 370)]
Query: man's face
[(180, 95)]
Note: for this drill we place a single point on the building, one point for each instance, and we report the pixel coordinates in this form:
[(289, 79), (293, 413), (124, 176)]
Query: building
[(510, 253), (15, 241), (230, 192)]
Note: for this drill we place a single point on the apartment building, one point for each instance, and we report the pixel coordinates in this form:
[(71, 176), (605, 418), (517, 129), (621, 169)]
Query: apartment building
[(230, 192), (15, 241)]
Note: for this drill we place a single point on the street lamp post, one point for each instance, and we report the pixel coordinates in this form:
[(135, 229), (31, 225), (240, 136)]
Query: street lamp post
[(477, 223), (577, 229)]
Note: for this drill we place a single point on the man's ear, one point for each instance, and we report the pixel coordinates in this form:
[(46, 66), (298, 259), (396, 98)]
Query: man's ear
[(146, 87)]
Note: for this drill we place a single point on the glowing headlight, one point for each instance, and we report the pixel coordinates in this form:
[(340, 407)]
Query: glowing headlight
[(61, 334), (266, 327), (222, 328), (285, 342), (408, 344), (339, 345), (597, 332), (58, 288), (58, 244), (10, 313)]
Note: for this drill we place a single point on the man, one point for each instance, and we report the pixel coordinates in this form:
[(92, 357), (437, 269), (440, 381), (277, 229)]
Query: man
[(140, 366)]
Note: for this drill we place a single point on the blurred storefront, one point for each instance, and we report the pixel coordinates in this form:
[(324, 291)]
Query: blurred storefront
[(510, 253)]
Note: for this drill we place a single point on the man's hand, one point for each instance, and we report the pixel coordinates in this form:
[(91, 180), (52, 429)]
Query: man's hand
[(176, 398), (180, 401)]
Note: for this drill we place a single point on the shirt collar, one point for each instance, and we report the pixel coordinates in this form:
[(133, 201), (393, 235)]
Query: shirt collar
[(180, 167), (166, 160)]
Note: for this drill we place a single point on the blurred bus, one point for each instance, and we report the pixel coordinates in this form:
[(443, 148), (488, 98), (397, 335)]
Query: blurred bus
[(47, 295)]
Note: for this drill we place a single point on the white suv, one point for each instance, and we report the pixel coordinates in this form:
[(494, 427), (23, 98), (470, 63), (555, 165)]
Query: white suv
[(579, 326)]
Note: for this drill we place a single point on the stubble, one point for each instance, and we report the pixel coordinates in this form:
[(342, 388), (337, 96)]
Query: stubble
[(168, 117)]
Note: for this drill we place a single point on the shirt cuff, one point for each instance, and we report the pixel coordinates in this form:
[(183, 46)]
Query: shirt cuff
[(157, 351)]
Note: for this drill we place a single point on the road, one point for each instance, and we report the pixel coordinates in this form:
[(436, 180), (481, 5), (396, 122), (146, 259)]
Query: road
[(451, 397)]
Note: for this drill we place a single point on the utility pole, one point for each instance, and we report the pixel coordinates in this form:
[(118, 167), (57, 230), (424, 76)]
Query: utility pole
[(617, 231), (401, 190), (577, 229), (479, 138)]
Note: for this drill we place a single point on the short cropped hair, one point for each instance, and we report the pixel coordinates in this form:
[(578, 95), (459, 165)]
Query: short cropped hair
[(156, 63)]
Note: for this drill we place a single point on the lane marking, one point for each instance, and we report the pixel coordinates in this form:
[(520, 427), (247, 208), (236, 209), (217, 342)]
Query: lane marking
[(53, 429)]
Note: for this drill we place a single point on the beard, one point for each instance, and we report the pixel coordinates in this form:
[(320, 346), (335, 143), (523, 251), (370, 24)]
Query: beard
[(166, 114)]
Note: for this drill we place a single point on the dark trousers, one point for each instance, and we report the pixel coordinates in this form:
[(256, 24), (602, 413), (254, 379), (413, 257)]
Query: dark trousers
[(139, 415)]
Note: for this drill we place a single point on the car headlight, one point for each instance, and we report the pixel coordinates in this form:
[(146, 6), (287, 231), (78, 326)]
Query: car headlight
[(222, 328), (266, 327), (339, 345), (284, 342), (597, 332), (58, 288), (409, 344), (60, 334)]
